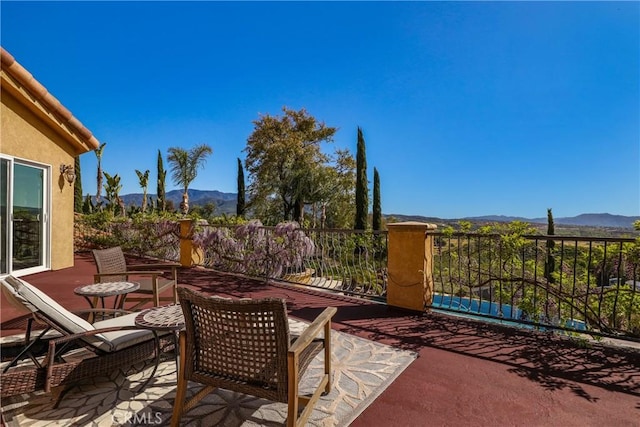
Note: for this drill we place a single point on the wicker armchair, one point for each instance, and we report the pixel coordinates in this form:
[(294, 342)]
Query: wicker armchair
[(83, 350), (112, 266), (245, 346)]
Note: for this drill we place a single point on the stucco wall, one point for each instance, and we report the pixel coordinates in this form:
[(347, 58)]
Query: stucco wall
[(25, 136)]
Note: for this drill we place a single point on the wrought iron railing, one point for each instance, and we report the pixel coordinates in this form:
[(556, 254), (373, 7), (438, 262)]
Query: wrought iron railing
[(578, 284), (345, 261), (350, 261), (588, 285)]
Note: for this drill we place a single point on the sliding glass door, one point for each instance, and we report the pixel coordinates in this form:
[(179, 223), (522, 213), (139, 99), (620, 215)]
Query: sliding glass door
[(24, 217), (4, 216)]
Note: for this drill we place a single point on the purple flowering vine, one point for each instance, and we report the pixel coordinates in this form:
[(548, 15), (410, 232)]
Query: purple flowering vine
[(255, 250)]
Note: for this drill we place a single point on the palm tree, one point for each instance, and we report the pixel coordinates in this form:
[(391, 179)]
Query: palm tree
[(98, 152), (144, 182), (112, 191), (184, 168)]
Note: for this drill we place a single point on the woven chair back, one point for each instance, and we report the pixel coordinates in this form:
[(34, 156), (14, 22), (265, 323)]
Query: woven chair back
[(110, 261), (237, 344)]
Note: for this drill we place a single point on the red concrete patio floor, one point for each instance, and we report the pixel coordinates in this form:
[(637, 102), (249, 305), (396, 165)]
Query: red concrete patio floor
[(468, 373)]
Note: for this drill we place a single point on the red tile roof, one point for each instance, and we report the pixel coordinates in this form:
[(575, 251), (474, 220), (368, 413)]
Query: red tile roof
[(22, 79)]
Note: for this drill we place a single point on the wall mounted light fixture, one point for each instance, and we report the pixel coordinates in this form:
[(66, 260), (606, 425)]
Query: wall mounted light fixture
[(68, 173)]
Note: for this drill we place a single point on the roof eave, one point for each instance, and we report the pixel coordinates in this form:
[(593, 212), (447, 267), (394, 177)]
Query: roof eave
[(17, 81)]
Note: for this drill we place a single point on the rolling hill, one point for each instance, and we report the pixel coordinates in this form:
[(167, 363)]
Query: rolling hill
[(584, 220), (226, 203)]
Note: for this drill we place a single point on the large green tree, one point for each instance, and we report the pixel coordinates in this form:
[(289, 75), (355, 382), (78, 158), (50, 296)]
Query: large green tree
[(240, 205), (184, 168), (77, 187), (362, 185), (160, 191), (333, 192), (284, 162), (376, 221)]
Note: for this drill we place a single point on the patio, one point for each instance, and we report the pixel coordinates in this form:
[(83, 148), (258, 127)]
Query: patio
[(466, 373)]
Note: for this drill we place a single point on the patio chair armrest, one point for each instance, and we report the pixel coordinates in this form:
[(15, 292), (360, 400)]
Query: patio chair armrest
[(128, 273), (101, 311), (98, 276), (321, 323), (80, 335), (168, 267), (146, 272), (171, 265), (68, 338)]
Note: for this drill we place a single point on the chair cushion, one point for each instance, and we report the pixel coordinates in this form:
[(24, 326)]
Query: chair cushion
[(14, 298), (36, 300), (117, 340)]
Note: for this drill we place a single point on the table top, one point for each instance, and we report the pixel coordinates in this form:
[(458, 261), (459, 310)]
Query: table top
[(167, 317), (106, 289)]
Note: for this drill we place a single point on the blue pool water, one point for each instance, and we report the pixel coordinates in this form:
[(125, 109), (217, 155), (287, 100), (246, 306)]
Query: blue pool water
[(472, 306)]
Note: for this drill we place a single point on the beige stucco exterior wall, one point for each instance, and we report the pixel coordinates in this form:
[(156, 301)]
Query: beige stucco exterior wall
[(26, 136), (35, 126)]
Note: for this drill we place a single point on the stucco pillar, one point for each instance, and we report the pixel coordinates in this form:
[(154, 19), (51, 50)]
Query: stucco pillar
[(186, 243), (190, 255), (410, 265)]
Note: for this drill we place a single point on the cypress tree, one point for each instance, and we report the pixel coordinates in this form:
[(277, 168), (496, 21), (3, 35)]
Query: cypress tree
[(87, 205), (550, 263), (550, 225), (161, 205), (240, 205), (77, 187), (377, 208), (362, 191)]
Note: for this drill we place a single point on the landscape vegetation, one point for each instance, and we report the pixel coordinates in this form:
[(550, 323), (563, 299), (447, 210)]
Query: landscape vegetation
[(290, 177), (306, 211)]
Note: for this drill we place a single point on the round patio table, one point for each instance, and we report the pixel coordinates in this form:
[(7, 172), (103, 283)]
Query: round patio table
[(99, 291), (163, 318)]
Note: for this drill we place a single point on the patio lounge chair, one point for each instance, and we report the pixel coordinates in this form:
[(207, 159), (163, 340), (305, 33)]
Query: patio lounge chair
[(112, 266), (245, 346), (108, 345)]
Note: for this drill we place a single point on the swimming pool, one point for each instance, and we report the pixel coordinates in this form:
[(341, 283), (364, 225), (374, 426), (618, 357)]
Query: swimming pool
[(474, 305), (501, 313)]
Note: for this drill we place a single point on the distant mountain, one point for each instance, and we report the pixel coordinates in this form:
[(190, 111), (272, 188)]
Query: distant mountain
[(224, 202), (584, 220), (600, 220)]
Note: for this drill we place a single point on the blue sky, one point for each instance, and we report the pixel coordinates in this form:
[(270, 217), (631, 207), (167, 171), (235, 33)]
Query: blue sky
[(467, 108)]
